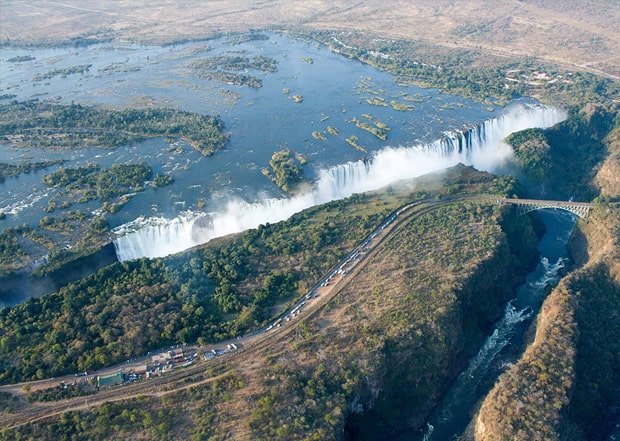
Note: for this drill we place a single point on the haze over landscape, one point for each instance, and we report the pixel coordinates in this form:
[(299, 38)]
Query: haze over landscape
[(310, 220)]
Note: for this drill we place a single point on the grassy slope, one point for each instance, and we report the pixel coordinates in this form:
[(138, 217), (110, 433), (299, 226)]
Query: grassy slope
[(401, 315), (608, 176)]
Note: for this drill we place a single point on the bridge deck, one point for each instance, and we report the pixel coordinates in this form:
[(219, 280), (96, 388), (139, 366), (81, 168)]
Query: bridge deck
[(581, 209), (547, 202)]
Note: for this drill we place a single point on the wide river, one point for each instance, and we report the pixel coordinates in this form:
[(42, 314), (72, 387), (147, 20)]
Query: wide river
[(260, 121)]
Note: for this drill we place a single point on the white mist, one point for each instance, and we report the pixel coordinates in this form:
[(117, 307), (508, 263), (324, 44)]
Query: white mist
[(480, 146)]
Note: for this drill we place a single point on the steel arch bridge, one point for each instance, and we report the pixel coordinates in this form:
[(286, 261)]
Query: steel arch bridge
[(581, 209)]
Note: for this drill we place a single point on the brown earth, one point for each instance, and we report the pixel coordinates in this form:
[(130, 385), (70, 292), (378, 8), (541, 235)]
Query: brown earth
[(539, 396), (578, 33)]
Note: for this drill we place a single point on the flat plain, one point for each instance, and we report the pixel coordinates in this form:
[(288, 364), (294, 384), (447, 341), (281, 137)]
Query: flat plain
[(543, 29)]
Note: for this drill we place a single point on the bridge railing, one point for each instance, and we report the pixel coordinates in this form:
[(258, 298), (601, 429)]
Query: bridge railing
[(581, 209)]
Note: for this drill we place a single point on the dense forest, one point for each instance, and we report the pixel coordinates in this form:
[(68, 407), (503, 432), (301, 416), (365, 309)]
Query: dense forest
[(204, 295), (236, 63), (532, 151), (91, 182), (363, 349), (11, 170), (208, 294), (226, 69), (285, 169), (564, 159), (54, 125)]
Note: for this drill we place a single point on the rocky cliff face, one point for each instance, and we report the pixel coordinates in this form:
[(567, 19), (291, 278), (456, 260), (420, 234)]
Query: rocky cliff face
[(416, 369), (608, 176), (414, 376), (565, 385)]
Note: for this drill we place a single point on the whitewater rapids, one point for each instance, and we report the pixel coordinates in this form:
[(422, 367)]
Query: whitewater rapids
[(481, 146)]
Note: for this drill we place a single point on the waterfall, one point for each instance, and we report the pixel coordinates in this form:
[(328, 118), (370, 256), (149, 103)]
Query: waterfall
[(480, 146)]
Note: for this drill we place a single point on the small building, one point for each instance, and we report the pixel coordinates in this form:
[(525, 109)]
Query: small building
[(177, 355), (110, 380), (161, 358)]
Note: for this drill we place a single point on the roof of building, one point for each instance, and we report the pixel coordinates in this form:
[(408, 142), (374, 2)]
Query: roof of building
[(110, 380)]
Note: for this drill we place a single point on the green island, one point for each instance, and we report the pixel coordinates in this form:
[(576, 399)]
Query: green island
[(113, 187), (332, 130), (380, 129), (162, 180), (417, 98), (284, 169), (64, 224), (14, 242), (12, 255), (119, 67), (225, 68), (22, 246), (79, 69), (377, 101), (13, 170), (308, 60), (42, 124), (400, 106), (319, 135), (365, 85), (352, 141), (89, 234), (229, 97), (91, 182), (231, 78), (236, 63), (20, 58)]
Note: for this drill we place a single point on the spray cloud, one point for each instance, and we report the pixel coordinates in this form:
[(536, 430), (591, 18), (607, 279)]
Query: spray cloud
[(480, 146)]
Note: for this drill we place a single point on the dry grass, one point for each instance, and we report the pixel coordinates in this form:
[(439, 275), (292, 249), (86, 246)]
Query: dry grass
[(582, 34)]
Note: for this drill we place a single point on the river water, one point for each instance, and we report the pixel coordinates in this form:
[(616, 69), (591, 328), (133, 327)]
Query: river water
[(506, 343), (260, 121), (227, 192)]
